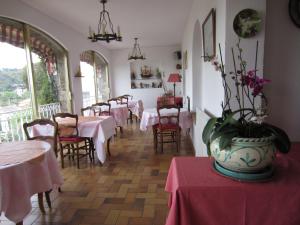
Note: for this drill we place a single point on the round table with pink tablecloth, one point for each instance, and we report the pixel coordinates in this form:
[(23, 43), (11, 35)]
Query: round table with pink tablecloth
[(26, 168)]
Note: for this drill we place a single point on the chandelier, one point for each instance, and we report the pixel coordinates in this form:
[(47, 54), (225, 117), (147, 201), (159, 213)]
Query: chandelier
[(136, 52), (105, 28)]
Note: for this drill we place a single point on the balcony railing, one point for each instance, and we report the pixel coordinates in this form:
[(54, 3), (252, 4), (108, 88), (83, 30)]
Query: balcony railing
[(11, 121)]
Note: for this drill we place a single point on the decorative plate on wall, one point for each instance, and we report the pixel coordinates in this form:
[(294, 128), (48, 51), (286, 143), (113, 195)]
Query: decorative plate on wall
[(294, 10), (247, 23)]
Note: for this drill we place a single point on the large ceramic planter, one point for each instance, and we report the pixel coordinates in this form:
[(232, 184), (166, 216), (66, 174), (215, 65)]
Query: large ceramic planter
[(245, 154)]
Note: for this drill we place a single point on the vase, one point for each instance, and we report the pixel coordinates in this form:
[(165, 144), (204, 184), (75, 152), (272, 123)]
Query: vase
[(249, 155)]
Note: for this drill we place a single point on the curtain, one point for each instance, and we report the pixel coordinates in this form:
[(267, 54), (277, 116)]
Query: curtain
[(15, 36)]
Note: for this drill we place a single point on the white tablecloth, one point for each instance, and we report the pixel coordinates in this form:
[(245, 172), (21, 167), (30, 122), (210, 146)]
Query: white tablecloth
[(150, 118), (20, 180)]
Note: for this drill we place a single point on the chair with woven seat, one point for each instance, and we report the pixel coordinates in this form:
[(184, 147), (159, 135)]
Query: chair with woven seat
[(68, 138), (167, 130), (45, 130)]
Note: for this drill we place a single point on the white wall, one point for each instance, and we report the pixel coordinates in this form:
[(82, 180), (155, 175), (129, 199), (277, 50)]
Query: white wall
[(74, 42), (282, 67), (211, 89), (211, 83), (163, 57)]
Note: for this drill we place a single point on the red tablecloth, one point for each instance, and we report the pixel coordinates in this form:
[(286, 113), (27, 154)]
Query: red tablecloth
[(199, 196)]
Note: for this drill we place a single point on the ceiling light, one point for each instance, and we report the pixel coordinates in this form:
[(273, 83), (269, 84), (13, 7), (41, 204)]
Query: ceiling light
[(105, 28), (136, 52)]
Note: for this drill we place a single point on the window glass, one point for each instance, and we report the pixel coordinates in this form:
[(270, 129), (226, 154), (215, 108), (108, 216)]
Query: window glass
[(95, 82), (22, 100)]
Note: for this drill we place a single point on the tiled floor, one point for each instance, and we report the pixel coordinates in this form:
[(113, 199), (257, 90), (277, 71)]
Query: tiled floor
[(127, 190)]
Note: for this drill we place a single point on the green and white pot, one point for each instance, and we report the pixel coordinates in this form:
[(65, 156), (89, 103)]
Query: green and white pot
[(245, 154)]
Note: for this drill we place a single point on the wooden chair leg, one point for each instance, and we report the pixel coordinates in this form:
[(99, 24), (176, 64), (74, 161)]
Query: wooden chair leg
[(48, 200), (62, 156), (121, 130), (19, 223), (59, 190), (162, 142), (77, 155), (107, 146), (40, 201)]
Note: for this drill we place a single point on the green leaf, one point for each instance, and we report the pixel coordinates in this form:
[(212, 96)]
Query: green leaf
[(282, 141), (225, 139), (208, 129), (208, 149), (223, 131)]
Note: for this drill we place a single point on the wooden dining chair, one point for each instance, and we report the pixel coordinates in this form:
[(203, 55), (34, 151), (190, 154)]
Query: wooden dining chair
[(88, 111), (69, 139), (46, 130), (128, 96), (114, 100), (124, 101), (102, 109), (166, 101), (167, 130)]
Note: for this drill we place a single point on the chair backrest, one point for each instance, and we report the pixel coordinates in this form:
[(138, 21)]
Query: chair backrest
[(123, 100), (67, 124), (88, 111), (102, 108), (168, 114), (116, 100), (166, 101), (128, 96), (42, 129)]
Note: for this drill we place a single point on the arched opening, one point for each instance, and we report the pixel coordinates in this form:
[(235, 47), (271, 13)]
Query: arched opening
[(197, 64), (34, 81), (95, 79)]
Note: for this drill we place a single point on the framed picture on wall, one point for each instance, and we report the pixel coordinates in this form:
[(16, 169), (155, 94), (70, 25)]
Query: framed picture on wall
[(209, 36)]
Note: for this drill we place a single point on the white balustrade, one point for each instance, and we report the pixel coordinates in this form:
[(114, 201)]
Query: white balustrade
[(11, 122)]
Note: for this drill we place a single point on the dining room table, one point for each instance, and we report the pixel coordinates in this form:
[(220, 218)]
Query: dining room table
[(26, 168), (198, 194), (100, 128), (150, 118), (118, 112), (136, 107)]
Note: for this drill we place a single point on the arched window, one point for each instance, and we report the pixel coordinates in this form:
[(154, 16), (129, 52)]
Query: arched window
[(95, 80), (33, 77)]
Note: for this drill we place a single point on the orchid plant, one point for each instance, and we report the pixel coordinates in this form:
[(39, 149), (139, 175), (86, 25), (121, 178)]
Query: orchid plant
[(248, 120)]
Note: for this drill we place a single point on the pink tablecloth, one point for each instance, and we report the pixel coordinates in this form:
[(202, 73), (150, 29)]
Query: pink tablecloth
[(136, 107), (150, 118), (100, 128), (20, 180), (200, 196), (119, 113)]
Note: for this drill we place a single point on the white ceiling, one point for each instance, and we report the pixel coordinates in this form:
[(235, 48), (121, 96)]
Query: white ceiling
[(154, 22)]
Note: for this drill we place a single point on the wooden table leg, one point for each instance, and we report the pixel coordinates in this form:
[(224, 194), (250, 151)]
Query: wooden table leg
[(20, 223), (107, 146)]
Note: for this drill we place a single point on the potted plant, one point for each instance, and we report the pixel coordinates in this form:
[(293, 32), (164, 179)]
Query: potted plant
[(240, 140)]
